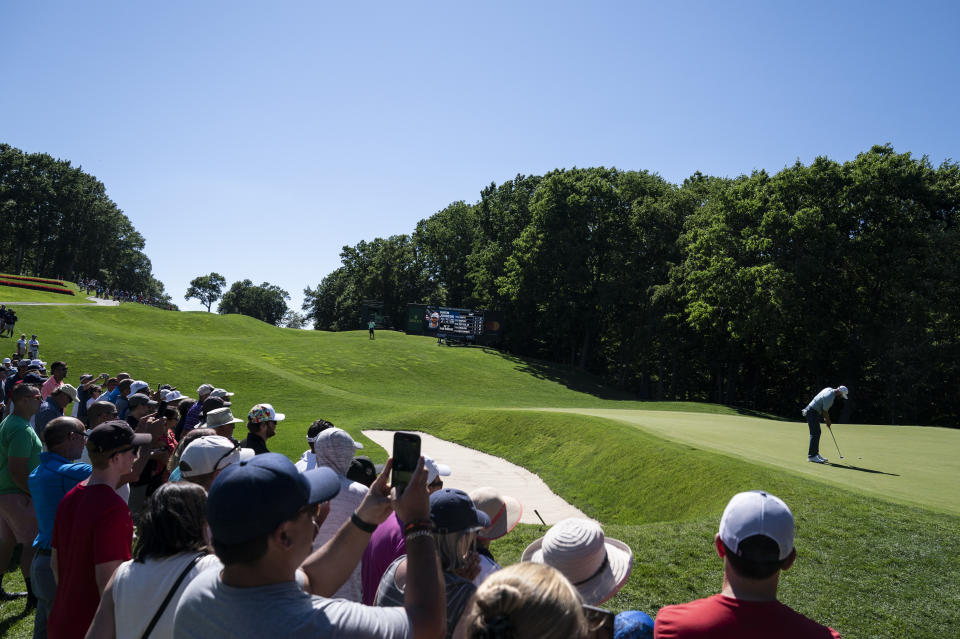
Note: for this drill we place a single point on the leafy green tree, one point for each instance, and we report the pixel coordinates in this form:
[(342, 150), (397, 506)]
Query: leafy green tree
[(266, 302), (293, 319), (207, 289), (445, 241)]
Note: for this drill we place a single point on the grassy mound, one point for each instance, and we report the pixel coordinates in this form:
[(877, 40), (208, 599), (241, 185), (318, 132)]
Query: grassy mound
[(868, 566), (16, 294)]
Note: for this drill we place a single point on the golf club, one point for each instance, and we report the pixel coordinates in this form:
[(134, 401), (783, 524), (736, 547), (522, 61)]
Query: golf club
[(835, 442)]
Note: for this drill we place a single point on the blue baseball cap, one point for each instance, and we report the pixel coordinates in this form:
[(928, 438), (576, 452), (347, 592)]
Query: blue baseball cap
[(452, 510), (249, 499), (633, 624)]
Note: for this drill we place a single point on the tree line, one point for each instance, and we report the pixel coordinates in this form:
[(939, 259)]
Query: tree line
[(754, 291), (57, 221)]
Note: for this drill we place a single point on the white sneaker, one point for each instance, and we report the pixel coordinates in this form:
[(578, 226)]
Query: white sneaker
[(816, 459)]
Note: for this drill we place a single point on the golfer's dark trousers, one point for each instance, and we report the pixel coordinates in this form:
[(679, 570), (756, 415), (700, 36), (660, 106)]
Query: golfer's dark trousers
[(813, 422)]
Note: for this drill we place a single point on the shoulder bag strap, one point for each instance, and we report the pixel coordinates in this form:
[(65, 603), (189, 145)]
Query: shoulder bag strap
[(163, 606)]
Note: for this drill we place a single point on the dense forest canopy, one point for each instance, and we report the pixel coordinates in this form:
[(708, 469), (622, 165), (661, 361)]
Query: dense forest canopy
[(57, 221), (754, 291)]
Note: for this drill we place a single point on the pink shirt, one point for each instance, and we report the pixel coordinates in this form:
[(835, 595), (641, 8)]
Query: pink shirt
[(49, 386), (386, 544)]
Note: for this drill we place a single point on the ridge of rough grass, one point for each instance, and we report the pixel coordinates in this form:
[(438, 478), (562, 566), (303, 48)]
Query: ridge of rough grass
[(244, 355)]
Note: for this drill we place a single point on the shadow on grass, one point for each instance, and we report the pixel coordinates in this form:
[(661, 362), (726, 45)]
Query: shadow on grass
[(862, 470), (572, 378), (9, 622)]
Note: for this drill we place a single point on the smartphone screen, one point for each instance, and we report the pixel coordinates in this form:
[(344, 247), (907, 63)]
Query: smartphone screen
[(406, 454), (599, 622)]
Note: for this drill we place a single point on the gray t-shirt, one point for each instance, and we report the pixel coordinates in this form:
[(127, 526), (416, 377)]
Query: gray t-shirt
[(458, 591), (208, 608), (823, 401)]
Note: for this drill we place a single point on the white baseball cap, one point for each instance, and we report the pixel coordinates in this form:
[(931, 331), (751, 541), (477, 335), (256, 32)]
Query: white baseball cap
[(434, 469), (210, 453), (757, 512), (221, 393), (138, 386), (844, 391)]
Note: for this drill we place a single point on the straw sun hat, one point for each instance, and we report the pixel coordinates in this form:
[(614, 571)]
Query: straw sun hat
[(597, 566)]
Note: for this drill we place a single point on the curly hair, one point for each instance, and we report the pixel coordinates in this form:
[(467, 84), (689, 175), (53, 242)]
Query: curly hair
[(526, 601)]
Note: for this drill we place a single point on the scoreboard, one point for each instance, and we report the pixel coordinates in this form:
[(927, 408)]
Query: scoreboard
[(454, 323)]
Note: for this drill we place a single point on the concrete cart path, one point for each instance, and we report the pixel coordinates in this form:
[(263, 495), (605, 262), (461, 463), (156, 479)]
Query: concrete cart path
[(472, 469)]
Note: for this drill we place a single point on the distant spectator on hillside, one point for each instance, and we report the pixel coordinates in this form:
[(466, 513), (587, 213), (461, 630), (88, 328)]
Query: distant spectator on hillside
[(262, 425), (58, 472), (597, 565), (54, 406), (10, 323), (756, 543), (22, 346), (58, 372), (33, 347), (308, 460)]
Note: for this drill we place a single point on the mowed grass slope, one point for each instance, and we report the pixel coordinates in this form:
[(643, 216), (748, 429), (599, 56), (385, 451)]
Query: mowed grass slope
[(868, 566), (12, 295)]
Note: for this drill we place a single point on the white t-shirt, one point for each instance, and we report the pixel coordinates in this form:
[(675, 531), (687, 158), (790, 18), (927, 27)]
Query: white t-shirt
[(209, 608), (139, 589), (307, 461)]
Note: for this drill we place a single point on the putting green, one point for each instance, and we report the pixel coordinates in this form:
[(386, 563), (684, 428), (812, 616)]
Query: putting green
[(906, 464)]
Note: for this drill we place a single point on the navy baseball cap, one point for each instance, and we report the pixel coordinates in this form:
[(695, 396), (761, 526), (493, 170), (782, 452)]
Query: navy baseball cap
[(452, 510), (249, 499)]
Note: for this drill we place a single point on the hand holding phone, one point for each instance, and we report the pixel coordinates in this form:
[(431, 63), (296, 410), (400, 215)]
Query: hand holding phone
[(406, 454)]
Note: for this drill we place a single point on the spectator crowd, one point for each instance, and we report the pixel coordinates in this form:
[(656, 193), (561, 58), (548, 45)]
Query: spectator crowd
[(142, 514)]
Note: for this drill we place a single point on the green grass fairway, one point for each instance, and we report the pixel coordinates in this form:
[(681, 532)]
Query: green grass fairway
[(14, 294), (878, 553), (906, 464)]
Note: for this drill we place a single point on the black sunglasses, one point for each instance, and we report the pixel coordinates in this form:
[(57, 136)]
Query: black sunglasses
[(224, 456)]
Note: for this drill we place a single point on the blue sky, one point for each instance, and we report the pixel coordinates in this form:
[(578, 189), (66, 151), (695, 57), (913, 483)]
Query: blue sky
[(257, 139)]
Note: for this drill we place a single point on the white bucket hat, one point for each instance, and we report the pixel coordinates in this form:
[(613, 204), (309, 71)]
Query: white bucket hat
[(597, 566), (219, 417)]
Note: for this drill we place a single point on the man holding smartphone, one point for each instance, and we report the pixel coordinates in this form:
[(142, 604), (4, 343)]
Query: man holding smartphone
[(263, 515)]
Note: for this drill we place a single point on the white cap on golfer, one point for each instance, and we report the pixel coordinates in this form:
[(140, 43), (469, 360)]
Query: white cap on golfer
[(844, 391)]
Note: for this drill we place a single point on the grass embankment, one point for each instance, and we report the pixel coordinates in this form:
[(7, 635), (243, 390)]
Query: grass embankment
[(868, 567), (13, 295)]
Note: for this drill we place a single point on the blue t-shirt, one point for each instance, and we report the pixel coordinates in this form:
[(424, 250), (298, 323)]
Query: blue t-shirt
[(112, 396), (49, 482)]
